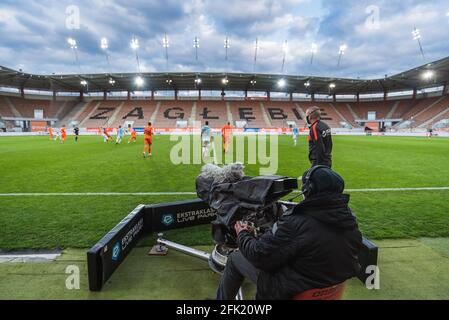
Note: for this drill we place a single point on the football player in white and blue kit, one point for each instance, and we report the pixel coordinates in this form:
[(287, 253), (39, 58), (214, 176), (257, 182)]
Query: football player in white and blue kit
[(206, 139), (295, 134), (120, 134)]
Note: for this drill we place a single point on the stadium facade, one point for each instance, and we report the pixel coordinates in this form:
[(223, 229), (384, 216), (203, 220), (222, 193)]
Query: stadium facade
[(416, 99)]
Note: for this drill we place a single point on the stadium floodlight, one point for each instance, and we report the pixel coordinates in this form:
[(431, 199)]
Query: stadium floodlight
[(253, 82), (281, 83), (417, 36), (225, 81), (307, 84), (104, 44), (139, 81), (256, 47), (83, 82), (284, 53), (166, 44), (169, 81), (135, 47), (197, 80), (134, 43), (341, 51), (111, 81), (428, 75), (313, 50), (196, 45), (72, 43), (332, 86), (226, 46)]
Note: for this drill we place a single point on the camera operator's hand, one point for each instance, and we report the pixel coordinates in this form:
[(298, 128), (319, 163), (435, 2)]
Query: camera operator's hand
[(240, 227)]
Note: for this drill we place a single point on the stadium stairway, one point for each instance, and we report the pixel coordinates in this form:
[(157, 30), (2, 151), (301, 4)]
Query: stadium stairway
[(392, 111), (281, 112), (214, 112), (440, 116), (72, 113), (171, 112), (249, 111), (425, 118), (13, 108), (6, 108), (344, 119), (87, 111), (420, 107)]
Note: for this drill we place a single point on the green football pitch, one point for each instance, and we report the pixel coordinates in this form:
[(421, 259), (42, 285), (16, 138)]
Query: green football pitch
[(91, 169), (56, 195)]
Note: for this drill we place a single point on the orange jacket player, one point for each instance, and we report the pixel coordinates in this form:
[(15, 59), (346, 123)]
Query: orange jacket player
[(148, 139), (226, 135), (133, 136), (50, 132), (63, 134)]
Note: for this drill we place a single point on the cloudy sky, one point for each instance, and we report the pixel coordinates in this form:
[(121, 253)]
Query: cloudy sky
[(33, 35)]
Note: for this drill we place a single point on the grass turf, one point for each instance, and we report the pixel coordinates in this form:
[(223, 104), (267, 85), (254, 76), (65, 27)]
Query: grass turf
[(36, 164), (409, 269)]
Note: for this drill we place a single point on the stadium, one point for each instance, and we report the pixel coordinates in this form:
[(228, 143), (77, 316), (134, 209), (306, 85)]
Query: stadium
[(71, 192)]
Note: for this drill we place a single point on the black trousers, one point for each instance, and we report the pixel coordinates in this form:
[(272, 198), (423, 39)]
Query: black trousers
[(237, 269)]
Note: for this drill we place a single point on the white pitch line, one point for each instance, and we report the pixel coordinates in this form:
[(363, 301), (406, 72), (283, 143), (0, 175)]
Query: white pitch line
[(38, 194)]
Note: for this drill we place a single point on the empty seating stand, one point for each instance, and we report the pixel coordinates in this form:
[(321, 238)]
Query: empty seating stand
[(214, 112), (257, 114), (172, 111), (249, 111), (280, 113)]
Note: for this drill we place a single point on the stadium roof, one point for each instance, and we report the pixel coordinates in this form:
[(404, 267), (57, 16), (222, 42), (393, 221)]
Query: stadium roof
[(404, 81)]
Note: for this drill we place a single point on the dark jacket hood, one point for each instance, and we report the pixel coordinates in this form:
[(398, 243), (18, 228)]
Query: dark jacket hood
[(331, 209)]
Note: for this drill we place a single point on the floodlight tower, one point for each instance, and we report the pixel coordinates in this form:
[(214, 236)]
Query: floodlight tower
[(104, 45), (284, 53), (226, 46), (135, 47), (73, 45), (256, 47), (417, 36), (341, 52), (313, 50), (166, 44), (196, 45)]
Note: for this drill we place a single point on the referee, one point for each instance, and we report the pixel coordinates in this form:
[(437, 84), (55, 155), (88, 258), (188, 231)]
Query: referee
[(320, 139)]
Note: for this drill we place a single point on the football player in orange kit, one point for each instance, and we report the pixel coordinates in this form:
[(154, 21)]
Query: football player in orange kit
[(148, 139), (63, 134), (226, 135), (50, 133), (133, 136)]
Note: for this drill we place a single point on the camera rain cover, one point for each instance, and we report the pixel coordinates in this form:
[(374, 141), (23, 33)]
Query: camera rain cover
[(238, 197)]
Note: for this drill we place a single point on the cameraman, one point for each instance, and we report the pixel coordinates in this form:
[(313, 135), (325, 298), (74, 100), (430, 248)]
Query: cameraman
[(314, 245)]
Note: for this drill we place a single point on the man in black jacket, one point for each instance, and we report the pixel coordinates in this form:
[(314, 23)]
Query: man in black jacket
[(315, 245), (320, 139)]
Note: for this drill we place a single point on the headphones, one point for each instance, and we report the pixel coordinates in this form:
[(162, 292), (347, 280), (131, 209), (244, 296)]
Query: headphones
[(308, 186)]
